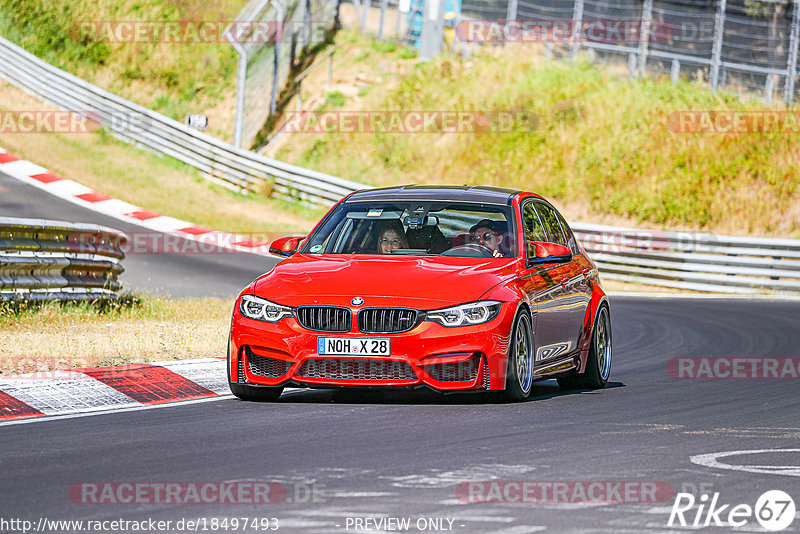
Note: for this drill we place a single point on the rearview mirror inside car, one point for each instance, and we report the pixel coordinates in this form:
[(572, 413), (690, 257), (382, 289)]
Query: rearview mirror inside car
[(285, 246), (418, 222)]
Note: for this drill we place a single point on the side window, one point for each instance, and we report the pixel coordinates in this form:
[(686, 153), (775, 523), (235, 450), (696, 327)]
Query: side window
[(551, 224), (571, 242), (534, 231)]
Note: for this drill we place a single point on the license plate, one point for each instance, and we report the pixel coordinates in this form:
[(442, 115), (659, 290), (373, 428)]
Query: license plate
[(343, 346)]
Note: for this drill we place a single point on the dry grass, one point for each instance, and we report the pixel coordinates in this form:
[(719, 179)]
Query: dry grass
[(601, 148), (172, 78), (54, 337), (159, 184)]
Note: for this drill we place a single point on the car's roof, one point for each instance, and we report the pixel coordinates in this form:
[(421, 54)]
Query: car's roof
[(458, 193)]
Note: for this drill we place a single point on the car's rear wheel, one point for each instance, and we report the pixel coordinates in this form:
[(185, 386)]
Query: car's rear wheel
[(519, 372), (598, 363), (251, 393), (598, 367)]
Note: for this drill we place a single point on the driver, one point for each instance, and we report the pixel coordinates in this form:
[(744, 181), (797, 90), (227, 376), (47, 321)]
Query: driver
[(490, 234)]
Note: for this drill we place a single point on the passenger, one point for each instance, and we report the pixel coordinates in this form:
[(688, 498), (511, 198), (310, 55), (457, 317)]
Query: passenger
[(391, 237), (490, 234)]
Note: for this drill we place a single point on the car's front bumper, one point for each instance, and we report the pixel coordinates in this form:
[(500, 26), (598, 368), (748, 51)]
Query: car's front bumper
[(446, 359)]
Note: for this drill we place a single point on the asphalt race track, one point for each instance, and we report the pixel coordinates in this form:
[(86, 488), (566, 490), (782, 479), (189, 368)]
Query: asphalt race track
[(177, 275), (348, 459), (366, 454)]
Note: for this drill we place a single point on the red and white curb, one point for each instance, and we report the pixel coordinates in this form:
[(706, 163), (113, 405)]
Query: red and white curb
[(81, 195), (95, 390), (107, 388)]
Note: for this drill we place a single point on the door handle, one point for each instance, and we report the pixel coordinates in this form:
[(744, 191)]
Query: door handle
[(564, 281)]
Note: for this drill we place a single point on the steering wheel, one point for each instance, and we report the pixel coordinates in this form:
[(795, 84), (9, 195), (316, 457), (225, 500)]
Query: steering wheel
[(470, 250)]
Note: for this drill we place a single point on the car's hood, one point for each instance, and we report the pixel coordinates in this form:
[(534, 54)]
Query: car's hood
[(418, 282)]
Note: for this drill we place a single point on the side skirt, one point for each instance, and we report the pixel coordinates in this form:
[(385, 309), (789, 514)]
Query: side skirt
[(567, 363)]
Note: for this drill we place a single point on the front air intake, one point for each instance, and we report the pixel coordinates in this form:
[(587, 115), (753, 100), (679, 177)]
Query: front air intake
[(466, 371), (240, 368), (267, 367), (357, 369)]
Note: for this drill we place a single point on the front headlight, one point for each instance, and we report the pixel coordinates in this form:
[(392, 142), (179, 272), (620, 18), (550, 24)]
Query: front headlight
[(465, 314), (260, 309)]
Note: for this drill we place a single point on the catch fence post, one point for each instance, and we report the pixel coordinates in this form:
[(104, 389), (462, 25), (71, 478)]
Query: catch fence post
[(716, 55), (384, 6), (644, 35), (575, 34), (791, 62)]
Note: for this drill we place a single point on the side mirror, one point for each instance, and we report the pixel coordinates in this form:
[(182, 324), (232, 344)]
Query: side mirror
[(285, 246), (549, 252)]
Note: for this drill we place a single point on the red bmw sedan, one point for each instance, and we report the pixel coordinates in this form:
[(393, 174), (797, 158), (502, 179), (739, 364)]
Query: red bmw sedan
[(444, 287)]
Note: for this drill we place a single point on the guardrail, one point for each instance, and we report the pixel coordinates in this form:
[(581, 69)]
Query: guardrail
[(55, 260), (696, 261), (233, 167), (702, 262)]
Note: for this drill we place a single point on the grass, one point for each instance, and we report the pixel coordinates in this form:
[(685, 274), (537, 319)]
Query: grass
[(53, 336), (595, 142), (172, 78), (408, 52), (159, 184), (335, 100)]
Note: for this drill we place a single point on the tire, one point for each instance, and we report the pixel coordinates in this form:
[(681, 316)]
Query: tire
[(598, 363), (251, 393), (598, 366), (519, 371)]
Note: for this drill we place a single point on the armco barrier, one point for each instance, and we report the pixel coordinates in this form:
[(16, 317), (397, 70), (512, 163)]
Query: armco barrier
[(55, 260), (236, 168), (696, 261), (702, 262)]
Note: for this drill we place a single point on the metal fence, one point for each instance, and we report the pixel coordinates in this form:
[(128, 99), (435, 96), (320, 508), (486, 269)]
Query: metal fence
[(292, 27), (744, 46), (695, 261), (54, 260), (726, 264)]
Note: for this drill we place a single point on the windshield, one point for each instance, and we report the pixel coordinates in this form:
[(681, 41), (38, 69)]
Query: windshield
[(416, 229)]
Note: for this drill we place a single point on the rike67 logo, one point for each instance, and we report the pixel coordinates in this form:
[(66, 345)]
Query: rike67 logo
[(774, 511)]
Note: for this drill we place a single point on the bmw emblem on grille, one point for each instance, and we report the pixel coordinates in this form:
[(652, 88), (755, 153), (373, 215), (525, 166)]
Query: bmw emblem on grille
[(358, 301)]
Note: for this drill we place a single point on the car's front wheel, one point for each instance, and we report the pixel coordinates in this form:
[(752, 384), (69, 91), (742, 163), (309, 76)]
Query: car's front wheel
[(251, 393), (519, 372)]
